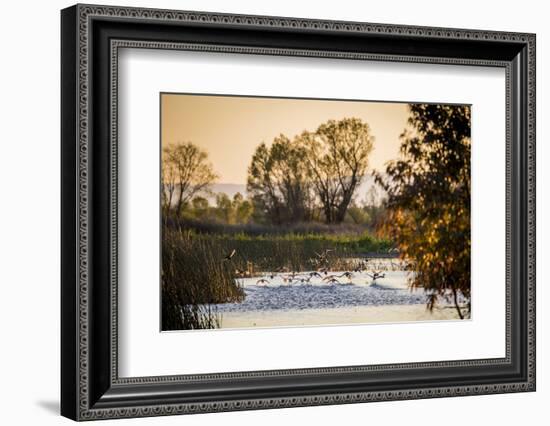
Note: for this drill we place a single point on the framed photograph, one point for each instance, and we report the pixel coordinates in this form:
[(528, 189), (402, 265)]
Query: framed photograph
[(263, 212)]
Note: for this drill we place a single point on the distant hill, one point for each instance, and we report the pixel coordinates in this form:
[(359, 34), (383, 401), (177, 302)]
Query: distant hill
[(228, 188), (232, 188)]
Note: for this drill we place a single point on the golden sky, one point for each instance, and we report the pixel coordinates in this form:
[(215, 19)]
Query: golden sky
[(229, 128)]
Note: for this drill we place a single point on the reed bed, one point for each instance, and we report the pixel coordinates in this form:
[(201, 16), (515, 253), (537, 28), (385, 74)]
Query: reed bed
[(261, 230), (197, 275), (194, 276), (295, 252)]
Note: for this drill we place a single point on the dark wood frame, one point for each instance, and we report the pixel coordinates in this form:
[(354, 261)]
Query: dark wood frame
[(91, 37)]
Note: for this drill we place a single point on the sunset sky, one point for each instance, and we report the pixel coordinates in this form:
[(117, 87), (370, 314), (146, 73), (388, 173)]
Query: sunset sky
[(229, 128)]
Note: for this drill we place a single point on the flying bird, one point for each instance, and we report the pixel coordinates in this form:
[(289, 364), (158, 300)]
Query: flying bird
[(330, 277), (323, 270), (230, 255), (375, 275), (347, 274)]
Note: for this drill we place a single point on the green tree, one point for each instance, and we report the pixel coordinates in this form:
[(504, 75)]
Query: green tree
[(357, 214), (337, 157), (261, 186), (278, 181), (200, 207), (428, 200), (243, 208), (186, 172), (224, 208), (232, 211)]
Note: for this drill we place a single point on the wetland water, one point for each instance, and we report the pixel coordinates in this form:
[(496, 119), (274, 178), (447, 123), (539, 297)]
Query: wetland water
[(352, 300)]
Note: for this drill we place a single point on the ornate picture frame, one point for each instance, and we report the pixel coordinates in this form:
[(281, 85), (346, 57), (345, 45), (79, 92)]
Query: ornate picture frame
[(91, 37)]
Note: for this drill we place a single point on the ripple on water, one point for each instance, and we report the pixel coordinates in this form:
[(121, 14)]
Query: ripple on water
[(262, 298)]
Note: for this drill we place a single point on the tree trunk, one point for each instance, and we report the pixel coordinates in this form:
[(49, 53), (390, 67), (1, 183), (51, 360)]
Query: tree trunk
[(329, 217), (455, 298), (180, 200), (346, 199)]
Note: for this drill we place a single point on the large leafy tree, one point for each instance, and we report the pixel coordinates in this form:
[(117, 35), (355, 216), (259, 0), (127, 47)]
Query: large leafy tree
[(278, 182), (186, 172), (337, 156), (292, 179), (428, 200)]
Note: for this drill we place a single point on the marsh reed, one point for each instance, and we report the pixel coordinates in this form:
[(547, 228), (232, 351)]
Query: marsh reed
[(194, 276)]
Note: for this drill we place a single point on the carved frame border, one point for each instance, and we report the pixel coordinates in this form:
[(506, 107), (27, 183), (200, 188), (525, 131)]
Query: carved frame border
[(85, 14)]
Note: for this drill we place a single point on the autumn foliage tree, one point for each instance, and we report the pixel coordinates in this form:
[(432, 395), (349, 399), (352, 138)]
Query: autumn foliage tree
[(428, 200)]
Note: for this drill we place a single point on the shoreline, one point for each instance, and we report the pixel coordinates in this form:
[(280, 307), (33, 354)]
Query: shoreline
[(338, 316)]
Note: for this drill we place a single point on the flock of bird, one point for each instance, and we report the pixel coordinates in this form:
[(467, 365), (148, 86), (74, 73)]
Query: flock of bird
[(305, 278), (369, 267)]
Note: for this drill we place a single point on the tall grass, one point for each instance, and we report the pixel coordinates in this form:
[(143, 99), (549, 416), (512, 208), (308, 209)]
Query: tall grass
[(194, 276), (256, 229), (294, 252)]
